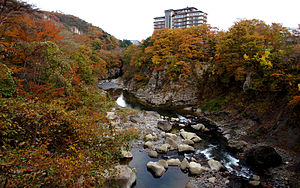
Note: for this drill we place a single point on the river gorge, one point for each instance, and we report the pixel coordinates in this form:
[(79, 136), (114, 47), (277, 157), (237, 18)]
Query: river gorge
[(166, 127)]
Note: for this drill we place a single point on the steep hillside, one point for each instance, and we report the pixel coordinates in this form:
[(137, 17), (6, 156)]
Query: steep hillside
[(53, 126)]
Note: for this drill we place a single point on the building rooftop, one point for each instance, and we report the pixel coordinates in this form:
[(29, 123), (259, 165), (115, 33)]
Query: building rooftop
[(187, 8)]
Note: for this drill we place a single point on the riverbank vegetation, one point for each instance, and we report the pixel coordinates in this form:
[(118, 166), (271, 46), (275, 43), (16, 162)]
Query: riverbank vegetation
[(53, 126)]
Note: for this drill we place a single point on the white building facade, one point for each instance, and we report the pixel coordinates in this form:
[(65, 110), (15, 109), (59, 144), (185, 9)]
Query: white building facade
[(180, 18)]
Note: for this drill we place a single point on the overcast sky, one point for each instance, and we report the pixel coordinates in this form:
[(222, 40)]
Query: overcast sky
[(133, 19)]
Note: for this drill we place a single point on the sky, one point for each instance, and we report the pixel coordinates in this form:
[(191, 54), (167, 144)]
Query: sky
[(133, 19)]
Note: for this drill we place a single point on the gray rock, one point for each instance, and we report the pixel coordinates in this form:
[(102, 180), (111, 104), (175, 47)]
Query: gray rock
[(153, 154), (238, 145), (111, 115), (196, 168), (150, 137), (148, 144), (175, 119), (135, 119), (215, 165), (148, 131), (152, 93), (164, 163), (170, 135), (212, 180), (171, 142), (163, 148), (157, 169), (185, 148), (152, 114), (184, 164), (254, 183), (164, 125), (188, 142), (255, 177), (199, 126), (126, 154), (124, 177), (196, 139), (189, 135), (201, 68), (198, 111), (173, 162)]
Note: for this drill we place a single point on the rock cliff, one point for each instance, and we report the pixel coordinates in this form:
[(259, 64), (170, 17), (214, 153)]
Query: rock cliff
[(158, 93)]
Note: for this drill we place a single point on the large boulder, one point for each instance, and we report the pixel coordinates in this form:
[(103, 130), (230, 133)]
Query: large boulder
[(157, 169), (172, 136), (148, 144), (215, 165), (171, 142), (126, 154), (199, 126), (151, 136), (173, 162), (262, 157), (153, 154), (124, 178), (164, 125), (185, 148), (196, 168), (184, 164), (190, 136), (163, 148)]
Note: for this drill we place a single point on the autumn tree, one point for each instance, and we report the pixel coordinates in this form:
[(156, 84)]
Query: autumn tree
[(251, 47)]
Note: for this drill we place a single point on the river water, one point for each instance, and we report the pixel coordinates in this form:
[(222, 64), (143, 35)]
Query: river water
[(213, 146)]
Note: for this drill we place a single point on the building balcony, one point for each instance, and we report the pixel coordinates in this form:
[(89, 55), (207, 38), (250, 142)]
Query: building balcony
[(159, 22)]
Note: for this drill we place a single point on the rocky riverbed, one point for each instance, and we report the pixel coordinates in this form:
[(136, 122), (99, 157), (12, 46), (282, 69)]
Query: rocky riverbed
[(193, 145)]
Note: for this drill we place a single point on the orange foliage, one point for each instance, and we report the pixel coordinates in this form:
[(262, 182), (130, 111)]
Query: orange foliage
[(47, 31), (295, 101)]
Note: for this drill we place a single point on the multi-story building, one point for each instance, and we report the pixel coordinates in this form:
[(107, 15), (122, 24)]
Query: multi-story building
[(180, 18)]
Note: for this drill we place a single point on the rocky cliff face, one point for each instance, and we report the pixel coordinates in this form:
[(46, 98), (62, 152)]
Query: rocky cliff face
[(158, 93)]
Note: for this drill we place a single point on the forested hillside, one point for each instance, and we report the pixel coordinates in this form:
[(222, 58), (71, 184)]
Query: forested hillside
[(250, 70), (53, 130)]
